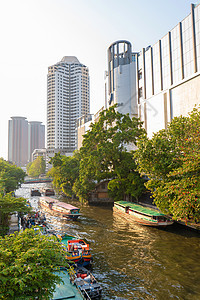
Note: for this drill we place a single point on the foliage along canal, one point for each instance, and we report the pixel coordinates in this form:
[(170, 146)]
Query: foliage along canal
[(133, 261)]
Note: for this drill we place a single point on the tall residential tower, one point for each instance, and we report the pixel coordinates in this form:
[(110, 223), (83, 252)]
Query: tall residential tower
[(18, 141), (36, 137), (23, 138), (67, 100)]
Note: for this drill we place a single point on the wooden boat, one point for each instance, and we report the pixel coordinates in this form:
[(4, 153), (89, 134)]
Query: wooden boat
[(78, 250), (66, 210), (47, 192), (66, 290), (47, 201), (87, 284), (62, 208), (35, 192), (141, 214)]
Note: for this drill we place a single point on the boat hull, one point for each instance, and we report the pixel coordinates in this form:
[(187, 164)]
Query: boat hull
[(65, 214), (78, 250), (35, 193), (79, 260)]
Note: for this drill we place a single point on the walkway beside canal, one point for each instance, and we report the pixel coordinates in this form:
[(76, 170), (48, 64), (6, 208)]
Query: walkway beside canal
[(14, 224)]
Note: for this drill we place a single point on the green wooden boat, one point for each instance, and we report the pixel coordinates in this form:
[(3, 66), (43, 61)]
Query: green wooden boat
[(66, 290), (141, 214)]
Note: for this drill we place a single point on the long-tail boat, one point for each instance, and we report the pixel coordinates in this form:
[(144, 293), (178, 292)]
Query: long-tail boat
[(78, 250)]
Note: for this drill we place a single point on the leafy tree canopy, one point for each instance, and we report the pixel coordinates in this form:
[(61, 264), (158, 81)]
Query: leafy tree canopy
[(27, 264), (37, 167), (9, 205), (104, 154), (64, 172), (11, 176), (171, 160)]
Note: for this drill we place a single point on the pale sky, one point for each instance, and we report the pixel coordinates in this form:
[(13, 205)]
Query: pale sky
[(35, 34)]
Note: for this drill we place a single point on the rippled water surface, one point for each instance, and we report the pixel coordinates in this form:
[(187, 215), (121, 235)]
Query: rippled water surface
[(132, 261)]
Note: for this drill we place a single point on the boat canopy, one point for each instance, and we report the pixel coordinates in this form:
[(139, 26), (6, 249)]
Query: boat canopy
[(49, 200), (66, 205), (65, 290), (140, 209)]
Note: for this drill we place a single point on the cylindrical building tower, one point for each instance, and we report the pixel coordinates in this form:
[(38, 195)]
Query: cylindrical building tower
[(122, 83)]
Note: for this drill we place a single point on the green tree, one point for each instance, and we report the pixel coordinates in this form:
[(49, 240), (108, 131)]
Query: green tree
[(104, 154), (11, 176), (9, 205), (27, 264), (64, 172), (37, 167), (171, 160)]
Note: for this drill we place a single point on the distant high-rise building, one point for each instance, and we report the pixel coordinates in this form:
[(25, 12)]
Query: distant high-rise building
[(36, 137), (23, 138), (18, 141), (68, 99), (37, 153)]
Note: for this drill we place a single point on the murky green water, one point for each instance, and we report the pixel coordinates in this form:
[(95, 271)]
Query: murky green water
[(133, 261)]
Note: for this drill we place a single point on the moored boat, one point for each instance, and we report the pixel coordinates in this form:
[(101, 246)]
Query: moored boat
[(141, 214), (35, 192), (47, 201), (47, 191), (66, 290), (87, 284), (64, 209), (78, 250)]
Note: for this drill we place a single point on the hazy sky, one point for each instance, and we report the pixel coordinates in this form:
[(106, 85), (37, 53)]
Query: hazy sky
[(35, 34)]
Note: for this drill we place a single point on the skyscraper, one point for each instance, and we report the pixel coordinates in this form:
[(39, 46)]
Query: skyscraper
[(23, 138), (18, 141), (67, 99), (36, 137)]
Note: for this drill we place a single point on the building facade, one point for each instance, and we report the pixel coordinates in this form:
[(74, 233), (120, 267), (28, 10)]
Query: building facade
[(18, 141), (169, 83), (83, 125), (40, 152), (36, 137), (166, 83), (37, 153), (68, 99)]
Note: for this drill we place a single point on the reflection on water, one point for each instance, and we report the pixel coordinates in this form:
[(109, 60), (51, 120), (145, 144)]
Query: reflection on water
[(133, 261)]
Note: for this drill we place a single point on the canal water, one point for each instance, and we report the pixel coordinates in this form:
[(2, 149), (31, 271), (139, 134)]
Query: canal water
[(132, 261)]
